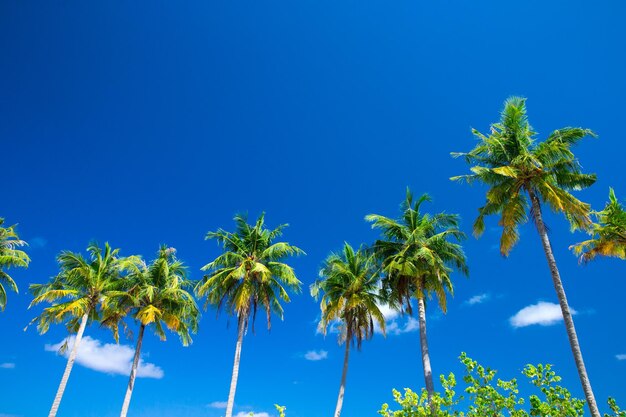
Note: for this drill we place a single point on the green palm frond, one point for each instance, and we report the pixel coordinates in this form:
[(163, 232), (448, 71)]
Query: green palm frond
[(608, 235), (418, 252), (250, 273), (81, 287), (156, 295), (511, 162), (10, 257), (349, 292)]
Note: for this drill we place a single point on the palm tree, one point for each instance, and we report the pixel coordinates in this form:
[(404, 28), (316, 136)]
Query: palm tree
[(608, 235), (351, 296), (77, 293), (521, 174), (156, 297), (250, 273), (418, 254), (10, 256)]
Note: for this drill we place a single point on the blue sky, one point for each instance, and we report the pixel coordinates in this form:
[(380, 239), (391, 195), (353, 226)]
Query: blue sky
[(154, 122)]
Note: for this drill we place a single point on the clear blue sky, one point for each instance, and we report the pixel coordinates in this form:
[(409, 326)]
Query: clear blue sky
[(150, 122)]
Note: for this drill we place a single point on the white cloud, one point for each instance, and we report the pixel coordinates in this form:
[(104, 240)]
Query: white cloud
[(7, 365), (389, 313), (542, 313), (621, 357), (478, 299), (251, 414), (412, 325), (218, 404), (401, 326), (316, 355), (37, 242), (395, 323), (109, 358), (334, 327)]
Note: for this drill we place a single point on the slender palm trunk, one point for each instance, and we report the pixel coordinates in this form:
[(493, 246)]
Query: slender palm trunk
[(567, 315), (342, 387), (428, 373), (133, 372), (233, 381), (68, 367)]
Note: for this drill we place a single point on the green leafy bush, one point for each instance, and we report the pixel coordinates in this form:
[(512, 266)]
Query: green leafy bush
[(486, 396), (281, 410), (615, 410)]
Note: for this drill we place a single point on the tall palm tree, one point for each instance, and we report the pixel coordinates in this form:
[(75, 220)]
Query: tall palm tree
[(250, 273), (351, 296), (10, 256), (154, 295), (608, 235), (418, 252), (522, 174), (77, 293)]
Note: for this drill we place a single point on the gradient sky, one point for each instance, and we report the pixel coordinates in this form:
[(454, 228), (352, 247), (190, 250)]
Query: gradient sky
[(145, 123)]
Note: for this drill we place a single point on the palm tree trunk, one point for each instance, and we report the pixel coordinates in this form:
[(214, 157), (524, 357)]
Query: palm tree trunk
[(68, 367), (342, 387), (133, 372), (233, 381), (428, 373), (567, 315)]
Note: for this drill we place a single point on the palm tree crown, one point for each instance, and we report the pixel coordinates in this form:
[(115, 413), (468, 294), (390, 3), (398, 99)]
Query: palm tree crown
[(511, 163), (10, 256), (250, 272), (156, 295), (350, 294), (608, 235), (80, 287), (418, 253)]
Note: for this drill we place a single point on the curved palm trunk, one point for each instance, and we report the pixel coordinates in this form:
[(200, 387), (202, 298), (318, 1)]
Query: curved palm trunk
[(428, 373), (342, 387), (68, 367), (567, 315), (233, 381), (133, 373)]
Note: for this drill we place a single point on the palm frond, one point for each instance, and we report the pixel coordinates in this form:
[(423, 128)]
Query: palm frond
[(250, 272), (510, 161), (608, 235)]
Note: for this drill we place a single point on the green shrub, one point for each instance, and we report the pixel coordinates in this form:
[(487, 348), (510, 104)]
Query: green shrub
[(280, 409), (486, 396), (615, 410)]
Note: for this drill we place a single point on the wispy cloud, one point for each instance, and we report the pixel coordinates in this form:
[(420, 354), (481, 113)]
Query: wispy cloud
[(542, 313), (109, 358), (251, 414), (37, 242), (7, 365), (395, 323), (398, 326), (621, 357), (334, 327), (389, 313), (316, 355), (478, 299), (411, 325), (218, 404)]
